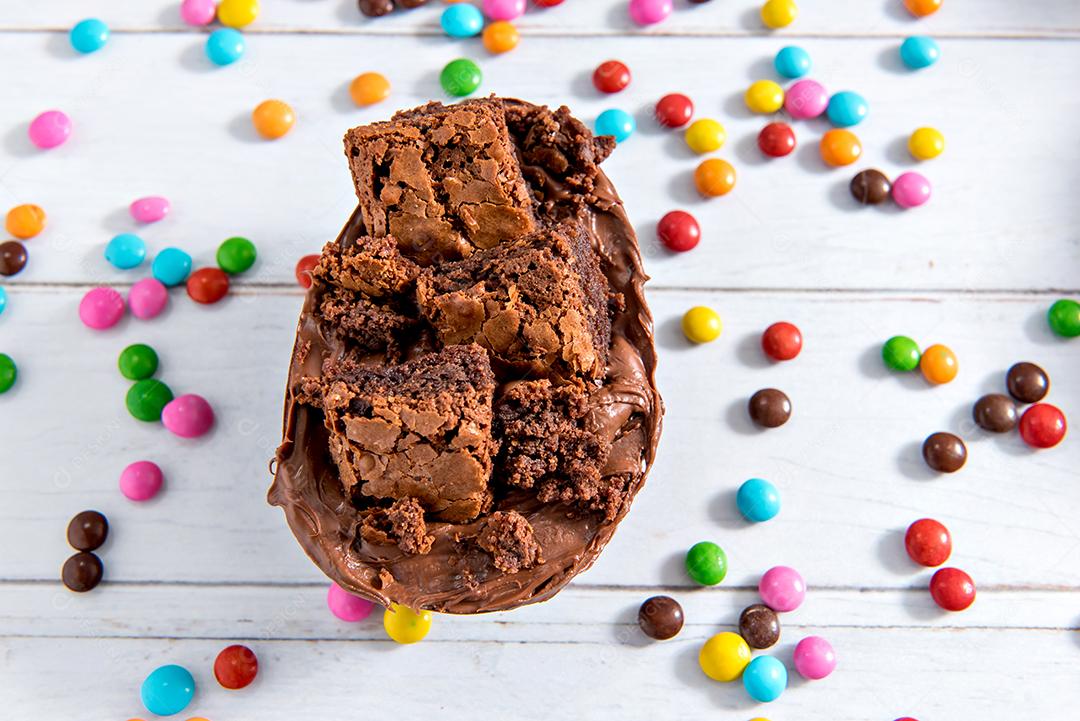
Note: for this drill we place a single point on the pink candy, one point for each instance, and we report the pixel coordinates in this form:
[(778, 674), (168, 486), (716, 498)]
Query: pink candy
[(147, 298), (150, 209), (650, 12), (346, 606), (198, 12), (814, 658), (101, 308), (806, 99), (504, 9), (910, 190), (782, 588), (188, 416), (50, 129), (141, 480)]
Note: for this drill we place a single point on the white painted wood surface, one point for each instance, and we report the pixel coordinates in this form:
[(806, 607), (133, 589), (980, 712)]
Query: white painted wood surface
[(208, 562)]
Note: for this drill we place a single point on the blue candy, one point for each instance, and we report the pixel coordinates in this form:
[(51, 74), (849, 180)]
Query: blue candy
[(846, 109), (765, 678), (616, 122), (225, 46), (171, 266), (462, 21), (126, 250), (919, 51), (758, 500), (168, 690), (89, 35), (3, 300), (792, 62)]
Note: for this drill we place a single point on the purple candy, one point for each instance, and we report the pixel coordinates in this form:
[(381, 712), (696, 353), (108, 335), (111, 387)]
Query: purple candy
[(148, 298), (188, 416), (50, 129), (141, 480), (101, 308), (150, 209)]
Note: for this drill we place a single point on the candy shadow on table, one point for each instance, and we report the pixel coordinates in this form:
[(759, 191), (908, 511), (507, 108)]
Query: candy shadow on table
[(673, 571), (738, 418), (341, 100), (896, 11), (910, 463), (750, 19), (888, 59), (241, 128), (897, 153), (669, 335), (647, 124), (681, 189), (724, 511), (581, 86), (58, 45), (193, 56), (840, 198), (625, 630), (872, 366), (675, 147), (748, 152), (893, 555), (808, 156), (428, 86), (169, 18), (748, 351), (1037, 328), (763, 69), (919, 604), (734, 106), (618, 18), (17, 141), (731, 696)]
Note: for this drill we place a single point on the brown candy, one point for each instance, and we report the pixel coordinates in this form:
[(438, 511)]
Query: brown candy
[(944, 452), (87, 531), (660, 617), (375, 8), (1027, 382), (82, 572), (12, 257), (770, 408), (759, 626), (411, 3), (995, 413), (870, 187)]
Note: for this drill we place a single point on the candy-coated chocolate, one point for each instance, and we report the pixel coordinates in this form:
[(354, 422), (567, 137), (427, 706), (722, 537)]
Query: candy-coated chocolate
[(208, 285), (547, 3), (926, 143), (347, 606), (841, 147), (996, 413), (125, 251), (89, 35), (779, 13), (1064, 318), (952, 589), (462, 20), (782, 588), (9, 372), (910, 190), (901, 353), (198, 12), (504, 9), (724, 656), (304, 266), (460, 77), (806, 99), (82, 572), (706, 563), (501, 36), (87, 531), (147, 298), (928, 542), (235, 667), (938, 364), (171, 266), (660, 617), (375, 8), (776, 140), (769, 407), (101, 308), (944, 452), (273, 118), (1027, 382), (1043, 426), (25, 221), (764, 96), (611, 76), (167, 690), (650, 12), (919, 51), (678, 231), (138, 361), (758, 500), (147, 398), (781, 341), (237, 13), (922, 8), (369, 88), (847, 108), (149, 209), (765, 678), (13, 257), (50, 129), (225, 46), (236, 255), (617, 123), (870, 187), (759, 625), (188, 416), (674, 110), (405, 625), (701, 324), (3, 300), (814, 658), (705, 135), (141, 480), (714, 177), (792, 62)]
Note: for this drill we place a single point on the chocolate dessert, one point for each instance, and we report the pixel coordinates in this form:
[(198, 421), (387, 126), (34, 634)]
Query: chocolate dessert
[(470, 407)]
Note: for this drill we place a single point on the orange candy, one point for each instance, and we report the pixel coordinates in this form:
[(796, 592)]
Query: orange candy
[(500, 37), (369, 88), (840, 147), (938, 364), (922, 8), (714, 177), (25, 221), (273, 118)]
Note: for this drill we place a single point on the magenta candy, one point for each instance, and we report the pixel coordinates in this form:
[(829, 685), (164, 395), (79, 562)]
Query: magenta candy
[(910, 190), (782, 588), (504, 9), (814, 658), (650, 12), (50, 129), (346, 606), (148, 298), (188, 416), (806, 99), (198, 12), (150, 209), (101, 308), (141, 480)]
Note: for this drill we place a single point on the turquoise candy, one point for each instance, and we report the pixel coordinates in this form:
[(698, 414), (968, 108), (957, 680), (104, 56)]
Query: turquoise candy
[(758, 500), (89, 35), (125, 251), (919, 51), (792, 62), (847, 108), (171, 266), (616, 122), (765, 678), (168, 690)]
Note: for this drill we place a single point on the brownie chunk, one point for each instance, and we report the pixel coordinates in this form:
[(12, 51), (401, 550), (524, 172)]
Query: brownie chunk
[(441, 179), (367, 325), (401, 524), (540, 301), (508, 537), (372, 266), (421, 429)]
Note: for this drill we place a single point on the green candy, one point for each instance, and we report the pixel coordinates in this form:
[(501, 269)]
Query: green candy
[(138, 362), (236, 255), (1064, 318), (706, 563), (460, 77), (146, 399), (901, 353), (8, 372)]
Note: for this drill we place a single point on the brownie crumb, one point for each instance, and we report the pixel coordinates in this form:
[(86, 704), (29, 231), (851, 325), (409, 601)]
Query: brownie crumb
[(402, 524), (508, 537)]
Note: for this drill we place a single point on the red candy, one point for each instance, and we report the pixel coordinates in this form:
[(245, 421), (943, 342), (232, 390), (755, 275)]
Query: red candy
[(611, 76), (547, 3), (208, 285), (678, 231), (236, 666), (928, 542), (674, 110), (952, 589), (781, 341), (776, 140), (1043, 425), (304, 268)]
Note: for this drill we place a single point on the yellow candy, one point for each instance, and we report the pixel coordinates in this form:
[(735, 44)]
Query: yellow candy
[(764, 96), (705, 135), (724, 656), (405, 625), (926, 143), (779, 13), (237, 13), (701, 324)]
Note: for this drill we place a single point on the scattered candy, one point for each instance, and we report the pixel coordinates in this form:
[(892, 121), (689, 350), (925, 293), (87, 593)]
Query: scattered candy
[(617, 123), (928, 542), (650, 12), (758, 500), (781, 341), (369, 88), (150, 209), (759, 625), (235, 667), (8, 372), (776, 140), (188, 416), (919, 51), (1027, 382), (1043, 425), (922, 8), (1063, 317), (870, 187), (405, 625), (706, 563), (198, 12), (460, 77), (547, 3), (273, 118), (779, 13), (500, 37), (926, 143), (705, 135), (12, 257), (770, 408), (237, 13), (50, 129), (910, 190), (764, 96), (171, 266), (901, 353), (167, 690), (847, 108), (806, 99), (137, 362), (504, 9), (996, 413), (462, 21), (375, 8), (147, 298), (87, 531), (841, 147), (944, 452), (782, 588), (938, 364), (25, 221), (814, 658), (347, 606), (792, 62), (89, 35), (701, 324), (82, 572), (765, 678), (714, 177), (952, 589), (3, 300), (225, 46), (678, 231), (101, 308), (304, 266), (125, 251), (236, 255), (611, 76), (141, 480), (147, 398), (674, 110), (724, 656), (660, 617)]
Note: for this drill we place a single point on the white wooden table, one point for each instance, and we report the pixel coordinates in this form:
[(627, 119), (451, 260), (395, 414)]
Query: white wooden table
[(208, 562)]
